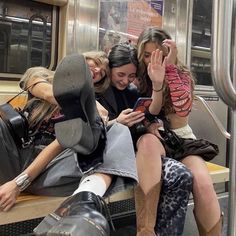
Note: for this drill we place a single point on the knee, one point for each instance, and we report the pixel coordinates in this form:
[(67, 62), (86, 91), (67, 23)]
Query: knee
[(150, 142), (202, 183)]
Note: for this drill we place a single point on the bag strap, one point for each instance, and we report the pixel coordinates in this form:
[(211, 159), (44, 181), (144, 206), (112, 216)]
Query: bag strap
[(31, 86)]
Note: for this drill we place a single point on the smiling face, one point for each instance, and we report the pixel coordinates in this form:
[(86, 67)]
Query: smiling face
[(98, 71), (122, 76)]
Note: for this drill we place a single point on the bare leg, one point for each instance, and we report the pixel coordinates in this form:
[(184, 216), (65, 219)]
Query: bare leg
[(206, 205), (148, 159), (147, 193)]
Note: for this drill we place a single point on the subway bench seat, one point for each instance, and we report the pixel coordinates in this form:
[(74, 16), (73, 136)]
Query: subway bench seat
[(30, 207)]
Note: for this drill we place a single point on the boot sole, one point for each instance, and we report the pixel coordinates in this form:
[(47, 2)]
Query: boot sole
[(73, 90), (71, 132), (72, 85)]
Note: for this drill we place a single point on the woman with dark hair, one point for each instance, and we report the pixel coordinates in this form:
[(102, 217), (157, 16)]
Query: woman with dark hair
[(159, 176)]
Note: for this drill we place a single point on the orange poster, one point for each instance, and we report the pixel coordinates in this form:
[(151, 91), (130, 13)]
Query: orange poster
[(141, 14), (124, 20)]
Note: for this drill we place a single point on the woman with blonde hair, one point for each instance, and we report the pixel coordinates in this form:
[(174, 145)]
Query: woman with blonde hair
[(99, 65), (82, 165), (174, 96)]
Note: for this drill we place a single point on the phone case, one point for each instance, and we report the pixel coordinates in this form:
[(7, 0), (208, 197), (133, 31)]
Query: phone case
[(142, 104)]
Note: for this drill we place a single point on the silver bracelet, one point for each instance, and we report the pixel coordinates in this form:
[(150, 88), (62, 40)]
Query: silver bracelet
[(22, 181)]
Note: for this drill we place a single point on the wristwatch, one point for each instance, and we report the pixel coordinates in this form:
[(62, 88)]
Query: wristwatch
[(22, 181)]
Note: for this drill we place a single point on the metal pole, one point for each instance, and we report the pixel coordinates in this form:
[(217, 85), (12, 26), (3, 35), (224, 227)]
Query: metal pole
[(232, 188), (223, 59)]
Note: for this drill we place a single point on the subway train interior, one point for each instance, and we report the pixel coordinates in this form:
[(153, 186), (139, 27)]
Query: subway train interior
[(42, 32)]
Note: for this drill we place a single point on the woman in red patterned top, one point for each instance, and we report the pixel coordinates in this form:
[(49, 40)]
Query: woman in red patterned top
[(173, 98)]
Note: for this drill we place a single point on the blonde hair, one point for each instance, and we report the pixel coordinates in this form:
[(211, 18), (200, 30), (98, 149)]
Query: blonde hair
[(100, 59), (40, 110), (156, 35)]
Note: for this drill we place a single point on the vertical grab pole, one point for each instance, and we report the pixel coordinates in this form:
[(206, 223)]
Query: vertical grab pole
[(232, 188), (223, 27)]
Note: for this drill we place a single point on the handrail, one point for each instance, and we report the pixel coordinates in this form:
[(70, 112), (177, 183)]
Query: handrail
[(221, 48), (30, 36), (213, 116), (59, 3), (223, 27)]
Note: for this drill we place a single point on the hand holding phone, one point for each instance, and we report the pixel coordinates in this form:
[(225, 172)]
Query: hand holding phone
[(142, 104)]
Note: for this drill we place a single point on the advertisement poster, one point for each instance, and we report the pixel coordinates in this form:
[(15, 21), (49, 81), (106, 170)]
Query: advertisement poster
[(125, 20)]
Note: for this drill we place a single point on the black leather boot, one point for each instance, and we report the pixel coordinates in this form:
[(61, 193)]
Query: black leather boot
[(79, 215), (73, 90)]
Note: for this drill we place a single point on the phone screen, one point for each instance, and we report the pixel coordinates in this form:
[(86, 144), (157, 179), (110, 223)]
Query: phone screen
[(142, 104)]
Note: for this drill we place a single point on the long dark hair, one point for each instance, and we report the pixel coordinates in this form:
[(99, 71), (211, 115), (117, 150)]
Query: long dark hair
[(122, 54)]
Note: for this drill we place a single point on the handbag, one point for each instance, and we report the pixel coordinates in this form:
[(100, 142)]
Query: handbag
[(16, 122), (179, 148)]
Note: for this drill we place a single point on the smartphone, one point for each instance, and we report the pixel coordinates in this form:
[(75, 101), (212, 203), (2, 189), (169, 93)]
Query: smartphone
[(142, 104)]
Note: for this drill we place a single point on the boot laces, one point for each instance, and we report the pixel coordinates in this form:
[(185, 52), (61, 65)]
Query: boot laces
[(103, 207)]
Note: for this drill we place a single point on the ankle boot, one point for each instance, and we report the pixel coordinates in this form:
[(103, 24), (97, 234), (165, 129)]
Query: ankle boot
[(214, 231), (146, 210), (79, 215), (73, 89)]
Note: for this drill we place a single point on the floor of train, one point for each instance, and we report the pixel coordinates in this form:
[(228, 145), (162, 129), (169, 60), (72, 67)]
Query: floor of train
[(126, 226), (190, 225)]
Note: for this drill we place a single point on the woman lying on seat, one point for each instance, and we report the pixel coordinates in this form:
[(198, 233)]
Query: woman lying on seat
[(48, 167)]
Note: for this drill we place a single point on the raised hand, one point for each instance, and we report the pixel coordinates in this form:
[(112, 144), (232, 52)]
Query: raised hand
[(171, 55), (156, 68)]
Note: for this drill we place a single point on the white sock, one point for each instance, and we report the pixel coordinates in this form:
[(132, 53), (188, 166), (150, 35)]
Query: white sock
[(92, 183)]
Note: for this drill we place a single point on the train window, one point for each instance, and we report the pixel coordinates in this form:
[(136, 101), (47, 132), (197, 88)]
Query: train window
[(25, 35), (201, 42)]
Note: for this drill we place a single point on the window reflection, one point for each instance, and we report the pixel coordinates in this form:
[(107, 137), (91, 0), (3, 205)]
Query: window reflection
[(201, 42), (25, 35)]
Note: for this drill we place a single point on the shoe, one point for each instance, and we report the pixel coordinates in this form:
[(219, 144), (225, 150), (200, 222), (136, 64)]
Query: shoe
[(73, 89), (146, 209), (216, 230), (79, 215)]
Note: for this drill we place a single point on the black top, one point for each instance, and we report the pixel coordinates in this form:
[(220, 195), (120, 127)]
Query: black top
[(115, 100)]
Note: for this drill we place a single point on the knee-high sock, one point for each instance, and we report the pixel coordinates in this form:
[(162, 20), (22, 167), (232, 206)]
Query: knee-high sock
[(92, 183)]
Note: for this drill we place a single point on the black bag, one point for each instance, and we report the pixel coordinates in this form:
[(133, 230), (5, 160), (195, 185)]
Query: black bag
[(17, 124), (16, 121), (178, 148)]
